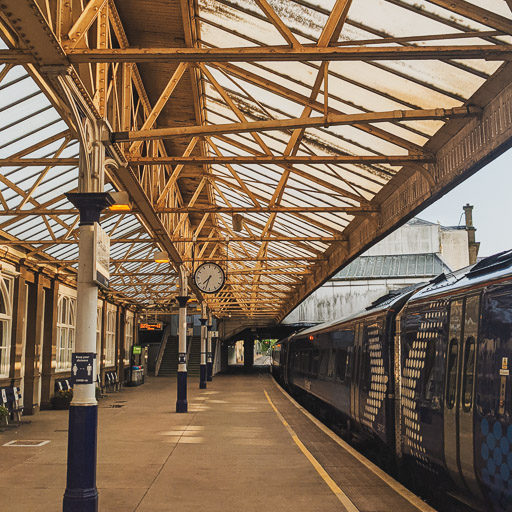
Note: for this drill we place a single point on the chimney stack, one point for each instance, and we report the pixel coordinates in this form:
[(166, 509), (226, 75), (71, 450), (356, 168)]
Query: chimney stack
[(473, 246)]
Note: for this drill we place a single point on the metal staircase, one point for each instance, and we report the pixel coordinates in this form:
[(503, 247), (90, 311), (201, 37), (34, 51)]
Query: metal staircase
[(169, 356), (194, 356)]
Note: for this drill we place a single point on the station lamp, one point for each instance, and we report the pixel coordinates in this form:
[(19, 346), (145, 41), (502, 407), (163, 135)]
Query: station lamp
[(161, 257), (121, 202)]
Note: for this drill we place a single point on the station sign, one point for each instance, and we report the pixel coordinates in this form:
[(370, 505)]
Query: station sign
[(101, 257), (151, 326), (137, 349)]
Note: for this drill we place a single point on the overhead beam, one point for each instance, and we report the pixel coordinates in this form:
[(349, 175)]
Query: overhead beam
[(58, 241), (303, 122), (84, 22), (115, 261), (37, 162), (478, 14), (397, 160), (265, 54), (188, 240), (285, 53), (277, 238), (282, 28), (271, 209)]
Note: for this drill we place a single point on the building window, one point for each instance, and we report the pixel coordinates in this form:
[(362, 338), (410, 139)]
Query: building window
[(5, 325), (66, 323), (110, 336), (128, 338)]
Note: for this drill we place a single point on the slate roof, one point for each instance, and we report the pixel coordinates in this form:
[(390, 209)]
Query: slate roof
[(400, 265)]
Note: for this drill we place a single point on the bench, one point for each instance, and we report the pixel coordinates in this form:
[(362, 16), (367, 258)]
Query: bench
[(100, 388), (112, 381), (62, 385), (10, 397)]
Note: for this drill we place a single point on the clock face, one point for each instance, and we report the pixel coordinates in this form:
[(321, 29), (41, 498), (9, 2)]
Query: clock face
[(209, 277)]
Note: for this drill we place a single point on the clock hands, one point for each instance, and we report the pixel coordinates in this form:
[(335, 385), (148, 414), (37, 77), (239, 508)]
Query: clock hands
[(209, 273)]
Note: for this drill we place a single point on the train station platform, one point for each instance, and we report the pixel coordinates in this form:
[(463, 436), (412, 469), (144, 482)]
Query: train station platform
[(243, 446)]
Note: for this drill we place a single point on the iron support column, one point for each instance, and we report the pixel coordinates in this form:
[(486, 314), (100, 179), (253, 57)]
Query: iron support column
[(209, 364), (204, 335), (81, 493), (181, 402)]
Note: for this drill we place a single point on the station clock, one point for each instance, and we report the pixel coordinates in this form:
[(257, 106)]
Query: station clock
[(209, 277)]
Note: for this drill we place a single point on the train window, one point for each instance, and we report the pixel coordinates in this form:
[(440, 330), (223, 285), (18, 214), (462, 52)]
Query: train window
[(469, 374), (367, 369), (330, 366), (451, 371), (341, 365), (324, 360), (296, 360), (316, 361), (305, 361), (430, 360)]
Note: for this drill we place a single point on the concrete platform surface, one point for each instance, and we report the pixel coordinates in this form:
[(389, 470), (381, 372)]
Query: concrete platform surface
[(237, 449)]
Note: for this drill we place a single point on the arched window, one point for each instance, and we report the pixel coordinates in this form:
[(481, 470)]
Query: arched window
[(5, 325), (110, 336), (128, 337), (66, 325)]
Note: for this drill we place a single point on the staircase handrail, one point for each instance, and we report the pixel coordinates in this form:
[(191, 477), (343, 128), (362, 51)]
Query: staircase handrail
[(189, 346), (163, 345)]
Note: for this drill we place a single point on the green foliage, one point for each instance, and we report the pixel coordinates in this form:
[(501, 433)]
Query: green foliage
[(267, 344), (4, 412), (64, 393)]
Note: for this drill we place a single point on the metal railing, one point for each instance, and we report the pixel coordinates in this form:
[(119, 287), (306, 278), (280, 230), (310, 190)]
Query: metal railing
[(163, 345)]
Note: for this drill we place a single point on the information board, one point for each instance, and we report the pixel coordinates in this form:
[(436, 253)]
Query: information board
[(101, 256), (82, 365), (151, 326)]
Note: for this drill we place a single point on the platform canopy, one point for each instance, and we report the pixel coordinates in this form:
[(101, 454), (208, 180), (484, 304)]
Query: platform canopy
[(278, 138)]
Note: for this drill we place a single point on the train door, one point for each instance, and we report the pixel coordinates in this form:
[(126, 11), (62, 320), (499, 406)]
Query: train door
[(356, 375), (460, 392)]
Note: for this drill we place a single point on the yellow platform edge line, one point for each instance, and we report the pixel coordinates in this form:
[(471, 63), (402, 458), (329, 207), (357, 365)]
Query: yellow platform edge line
[(342, 497), (388, 479)]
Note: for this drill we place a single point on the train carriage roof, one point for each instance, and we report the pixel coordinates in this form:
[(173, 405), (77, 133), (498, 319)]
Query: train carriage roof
[(384, 303), (488, 270)]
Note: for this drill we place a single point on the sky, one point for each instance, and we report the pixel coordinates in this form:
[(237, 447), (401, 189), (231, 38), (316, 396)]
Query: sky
[(490, 192)]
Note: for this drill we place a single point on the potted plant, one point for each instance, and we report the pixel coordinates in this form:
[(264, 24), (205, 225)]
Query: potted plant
[(62, 399), (4, 416)]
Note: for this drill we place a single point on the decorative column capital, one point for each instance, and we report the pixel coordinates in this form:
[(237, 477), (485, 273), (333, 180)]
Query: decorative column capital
[(90, 205), (182, 300)]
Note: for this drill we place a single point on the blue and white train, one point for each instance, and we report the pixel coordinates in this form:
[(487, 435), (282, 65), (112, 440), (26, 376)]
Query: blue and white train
[(425, 373)]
